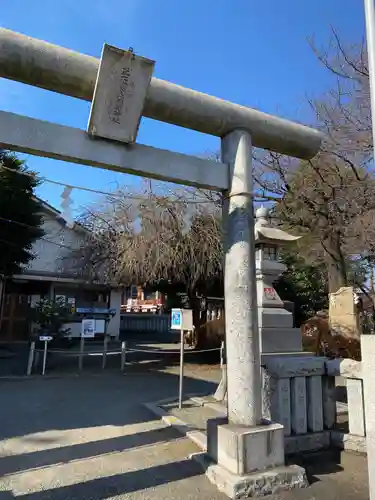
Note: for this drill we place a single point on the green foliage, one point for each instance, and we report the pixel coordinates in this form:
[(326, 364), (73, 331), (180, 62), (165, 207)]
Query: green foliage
[(358, 271), (303, 284), (50, 315), (17, 204)]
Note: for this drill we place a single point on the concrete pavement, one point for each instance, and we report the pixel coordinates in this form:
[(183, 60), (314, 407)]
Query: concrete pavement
[(89, 437)]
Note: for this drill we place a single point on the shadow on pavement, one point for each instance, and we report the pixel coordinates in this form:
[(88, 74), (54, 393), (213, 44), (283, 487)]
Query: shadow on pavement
[(65, 454), (13, 359), (191, 356), (35, 405), (108, 487), (318, 464), (90, 405)]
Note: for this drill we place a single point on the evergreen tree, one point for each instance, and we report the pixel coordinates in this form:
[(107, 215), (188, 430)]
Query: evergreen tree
[(20, 217), (306, 285)]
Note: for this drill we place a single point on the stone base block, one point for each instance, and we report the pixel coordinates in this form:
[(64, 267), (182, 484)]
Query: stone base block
[(307, 442), (257, 484), (274, 317), (348, 442), (244, 450), (280, 340)]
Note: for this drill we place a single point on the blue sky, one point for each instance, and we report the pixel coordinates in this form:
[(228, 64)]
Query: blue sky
[(250, 52)]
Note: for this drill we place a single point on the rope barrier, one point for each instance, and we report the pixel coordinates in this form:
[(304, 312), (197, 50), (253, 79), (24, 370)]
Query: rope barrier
[(151, 351), (123, 352), (97, 353), (162, 351)]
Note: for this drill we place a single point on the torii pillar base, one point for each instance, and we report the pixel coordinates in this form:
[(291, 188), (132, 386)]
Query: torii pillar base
[(247, 462)]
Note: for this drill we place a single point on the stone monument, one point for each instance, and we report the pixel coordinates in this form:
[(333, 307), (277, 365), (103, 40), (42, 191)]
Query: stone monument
[(343, 314)]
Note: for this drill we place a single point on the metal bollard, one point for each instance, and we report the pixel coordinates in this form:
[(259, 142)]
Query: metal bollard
[(123, 355), (105, 348), (44, 357), (181, 385), (81, 352)]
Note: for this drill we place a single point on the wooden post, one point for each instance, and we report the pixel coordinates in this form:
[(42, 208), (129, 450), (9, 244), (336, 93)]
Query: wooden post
[(31, 358)]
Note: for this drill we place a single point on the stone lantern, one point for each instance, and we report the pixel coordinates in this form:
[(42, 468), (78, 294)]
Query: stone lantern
[(277, 334)]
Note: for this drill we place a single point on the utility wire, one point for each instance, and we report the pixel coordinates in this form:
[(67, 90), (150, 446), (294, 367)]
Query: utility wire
[(96, 191), (33, 227)]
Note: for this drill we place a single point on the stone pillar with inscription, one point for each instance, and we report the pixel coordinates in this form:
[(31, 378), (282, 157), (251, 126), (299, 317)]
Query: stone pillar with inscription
[(247, 453), (277, 334), (241, 316)]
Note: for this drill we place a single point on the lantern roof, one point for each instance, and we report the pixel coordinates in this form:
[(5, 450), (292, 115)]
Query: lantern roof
[(265, 232)]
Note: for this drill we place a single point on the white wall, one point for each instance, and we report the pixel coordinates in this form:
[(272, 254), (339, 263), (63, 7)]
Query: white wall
[(49, 256)]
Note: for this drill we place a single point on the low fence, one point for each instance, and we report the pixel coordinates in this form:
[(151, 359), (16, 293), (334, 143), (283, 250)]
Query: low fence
[(297, 394), (351, 371), (140, 323), (300, 393), (37, 355)]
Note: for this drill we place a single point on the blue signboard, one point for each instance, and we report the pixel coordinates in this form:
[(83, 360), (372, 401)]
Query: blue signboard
[(95, 310), (176, 323)]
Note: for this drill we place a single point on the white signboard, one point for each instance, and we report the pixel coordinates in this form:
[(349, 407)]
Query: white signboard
[(88, 328), (100, 326), (182, 319), (45, 338), (121, 87)]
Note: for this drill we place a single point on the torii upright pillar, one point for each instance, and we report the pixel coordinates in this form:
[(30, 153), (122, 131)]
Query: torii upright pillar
[(247, 452)]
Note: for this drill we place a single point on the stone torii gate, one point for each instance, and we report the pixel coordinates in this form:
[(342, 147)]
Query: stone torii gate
[(247, 451)]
